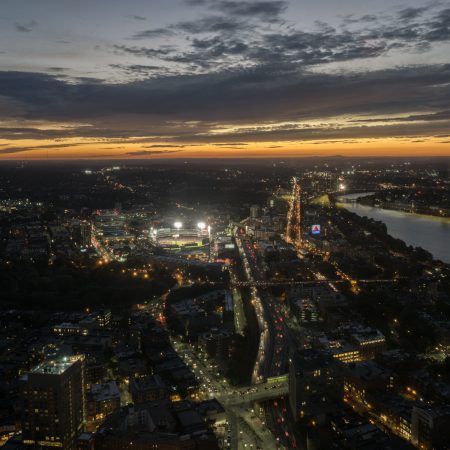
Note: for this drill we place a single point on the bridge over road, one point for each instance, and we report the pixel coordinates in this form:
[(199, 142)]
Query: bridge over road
[(263, 284), (255, 393)]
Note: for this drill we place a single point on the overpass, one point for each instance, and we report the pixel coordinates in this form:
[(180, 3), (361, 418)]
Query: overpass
[(263, 284), (255, 393)]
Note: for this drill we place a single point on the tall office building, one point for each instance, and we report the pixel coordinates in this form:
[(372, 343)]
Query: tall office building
[(53, 403)]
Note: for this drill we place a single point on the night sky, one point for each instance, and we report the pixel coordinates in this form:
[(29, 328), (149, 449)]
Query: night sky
[(212, 78)]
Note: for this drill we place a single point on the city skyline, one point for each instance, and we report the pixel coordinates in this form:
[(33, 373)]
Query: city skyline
[(202, 78), (225, 305)]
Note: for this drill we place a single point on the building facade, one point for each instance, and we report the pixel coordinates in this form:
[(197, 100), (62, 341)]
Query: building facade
[(53, 403)]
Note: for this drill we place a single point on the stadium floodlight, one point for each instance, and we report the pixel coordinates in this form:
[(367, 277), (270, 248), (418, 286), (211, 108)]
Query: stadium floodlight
[(201, 225), (177, 225)]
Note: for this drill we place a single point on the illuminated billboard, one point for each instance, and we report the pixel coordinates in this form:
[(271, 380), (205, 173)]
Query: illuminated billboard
[(315, 230)]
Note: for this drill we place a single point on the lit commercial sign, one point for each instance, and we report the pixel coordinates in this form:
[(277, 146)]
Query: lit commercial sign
[(315, 229)]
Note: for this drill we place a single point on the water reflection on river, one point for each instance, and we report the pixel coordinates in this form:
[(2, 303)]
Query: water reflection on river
[(430, 233)]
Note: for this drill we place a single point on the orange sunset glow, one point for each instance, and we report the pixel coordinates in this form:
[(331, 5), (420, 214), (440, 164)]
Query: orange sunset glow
[(85, 149)]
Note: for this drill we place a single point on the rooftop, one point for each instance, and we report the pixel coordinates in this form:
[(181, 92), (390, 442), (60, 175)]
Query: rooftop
[(56, 366), (105, 391)]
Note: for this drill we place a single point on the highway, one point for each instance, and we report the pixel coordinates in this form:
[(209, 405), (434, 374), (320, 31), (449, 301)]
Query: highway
[(274, 349)]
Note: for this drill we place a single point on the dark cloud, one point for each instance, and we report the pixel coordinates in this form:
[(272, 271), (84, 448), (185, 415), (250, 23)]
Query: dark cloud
[(440, 115), (235, 38), (226, 144), (317, 48), (208, 53), (296, 47), (150, 152), (411, 28), (139, 68), (367, 18), (411, 13), (25, 27), (263, 10), (195, 2), (137, 17), (377, 36), (143, 51), (12, 150), (165, 146), (57, 69), (233, 17), (212, 24), (439, 27), (153, 33), (101, 155), (233, 147), (188, 107)]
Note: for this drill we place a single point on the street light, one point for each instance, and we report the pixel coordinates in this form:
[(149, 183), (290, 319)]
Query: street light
[(177, 225), (201, 225)]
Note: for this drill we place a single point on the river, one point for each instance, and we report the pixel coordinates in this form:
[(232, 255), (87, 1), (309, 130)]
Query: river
[(429, 232)]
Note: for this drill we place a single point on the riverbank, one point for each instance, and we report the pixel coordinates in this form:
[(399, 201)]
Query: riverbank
[(422, 216), (432, 233), (373, 200)]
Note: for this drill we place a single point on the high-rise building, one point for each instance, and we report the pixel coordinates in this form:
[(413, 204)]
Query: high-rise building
[(53, 411), (81, 233), (430, 427), (313, 382)]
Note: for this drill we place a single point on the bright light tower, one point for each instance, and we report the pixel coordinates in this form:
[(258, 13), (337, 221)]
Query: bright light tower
[(201, 225), (209, 242), (178, 225)]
